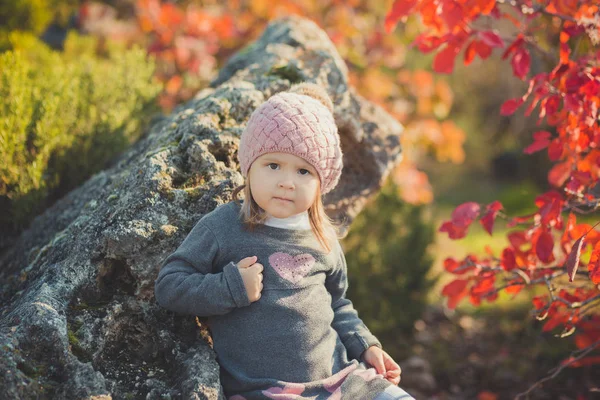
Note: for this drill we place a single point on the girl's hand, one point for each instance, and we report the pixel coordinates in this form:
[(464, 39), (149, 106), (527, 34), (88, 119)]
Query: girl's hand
[(383, 364), (251, 272)]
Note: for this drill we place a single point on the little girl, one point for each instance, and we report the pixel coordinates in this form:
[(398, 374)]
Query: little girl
[(270, 274)]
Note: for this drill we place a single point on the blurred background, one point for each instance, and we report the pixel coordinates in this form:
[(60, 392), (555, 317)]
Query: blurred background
[(121, 63)]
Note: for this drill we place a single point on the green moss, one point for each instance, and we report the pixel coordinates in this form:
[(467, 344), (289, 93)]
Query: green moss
[(194, 193), (76, 347), (85, 306), (72, 338), (289, 72)]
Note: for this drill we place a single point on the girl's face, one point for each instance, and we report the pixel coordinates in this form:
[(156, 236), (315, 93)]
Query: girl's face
[(283, 184)]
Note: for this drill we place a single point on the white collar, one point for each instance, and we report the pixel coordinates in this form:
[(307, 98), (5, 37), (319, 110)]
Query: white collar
[(298, 221)]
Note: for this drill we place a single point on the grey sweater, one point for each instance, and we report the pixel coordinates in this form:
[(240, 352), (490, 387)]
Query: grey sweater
[(302, 339)]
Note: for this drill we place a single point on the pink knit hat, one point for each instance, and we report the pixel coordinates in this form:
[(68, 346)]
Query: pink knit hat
[(299, 122)]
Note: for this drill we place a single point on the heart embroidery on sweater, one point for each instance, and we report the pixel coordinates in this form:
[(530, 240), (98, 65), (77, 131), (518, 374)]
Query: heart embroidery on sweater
[(292, 268)]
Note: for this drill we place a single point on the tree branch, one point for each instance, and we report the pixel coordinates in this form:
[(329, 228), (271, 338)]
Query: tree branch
[(557, 370)]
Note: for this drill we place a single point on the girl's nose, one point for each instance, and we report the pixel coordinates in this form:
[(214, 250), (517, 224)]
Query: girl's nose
[(286, 184)]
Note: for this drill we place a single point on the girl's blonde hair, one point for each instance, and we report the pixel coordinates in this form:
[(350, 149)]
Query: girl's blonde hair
[(324, 228)]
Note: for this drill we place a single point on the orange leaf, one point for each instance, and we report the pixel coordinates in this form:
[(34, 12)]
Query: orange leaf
[(400, 9), (541, 139), (486, 6), (455, 291), (487, 396), (514, 289), (174, 84), (559, 173), (470, 53)]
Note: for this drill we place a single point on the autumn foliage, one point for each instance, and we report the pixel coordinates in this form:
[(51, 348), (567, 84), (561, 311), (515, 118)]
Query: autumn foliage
[(548, 248), (191, 40)]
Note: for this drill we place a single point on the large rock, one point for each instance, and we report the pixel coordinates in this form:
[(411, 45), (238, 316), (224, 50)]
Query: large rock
[(78, 318)]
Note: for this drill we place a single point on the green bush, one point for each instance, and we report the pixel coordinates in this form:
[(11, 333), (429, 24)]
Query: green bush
[(33, 15), (388, 267), (64, 115)]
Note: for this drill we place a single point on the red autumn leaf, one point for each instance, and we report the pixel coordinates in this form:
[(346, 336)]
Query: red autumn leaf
[(565, 50), (484, 286), (490, 215), (515, 288), (544, 246), (541, 139), (491, 38), (452, 14), (451, 265), (555, 150), (574, 186), (455, 291), (510, 106), (508, 260), (521, 62), (454, 232), (519, 41), (470, 52), (486, 6), (555, 320), (565, 6), (550, 107), (573, 259), (517, 239), (483, 49), (559, 173), (539, 302), (426, 43), (519, 220), (444, 60), (400, 8), (550, 205), (465, 214)]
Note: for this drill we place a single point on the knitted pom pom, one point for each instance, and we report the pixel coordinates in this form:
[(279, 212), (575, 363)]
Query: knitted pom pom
[(315, 91)]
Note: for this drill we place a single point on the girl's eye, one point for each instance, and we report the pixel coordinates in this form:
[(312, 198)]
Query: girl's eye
[(307, 172), (269, 165)]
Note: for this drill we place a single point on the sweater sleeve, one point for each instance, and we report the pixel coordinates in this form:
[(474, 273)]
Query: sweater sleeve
[(353, 332), (186, 283)]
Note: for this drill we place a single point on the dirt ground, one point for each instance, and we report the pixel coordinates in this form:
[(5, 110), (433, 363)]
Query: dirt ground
[(491, 356)]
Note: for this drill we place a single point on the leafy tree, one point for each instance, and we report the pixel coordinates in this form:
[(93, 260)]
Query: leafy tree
[(547, 247)]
